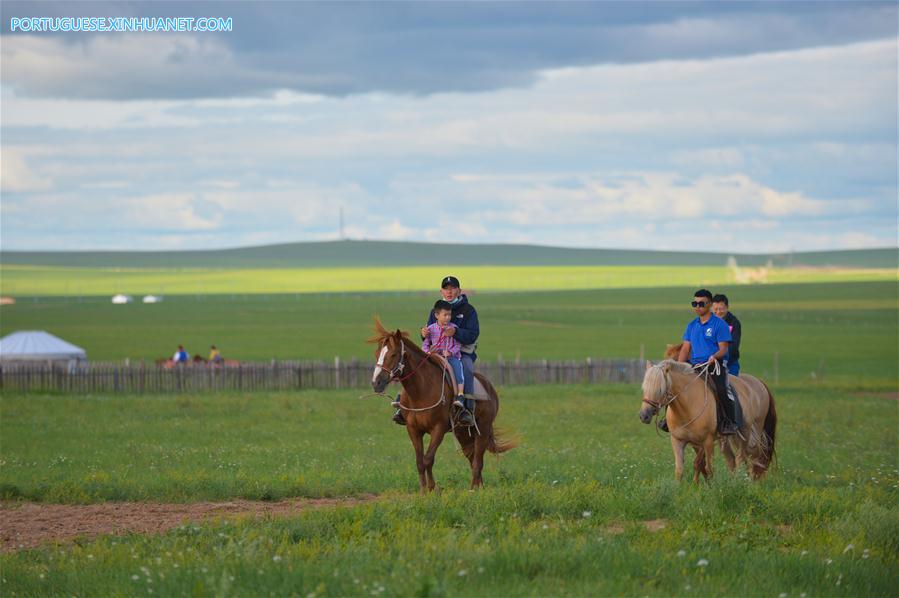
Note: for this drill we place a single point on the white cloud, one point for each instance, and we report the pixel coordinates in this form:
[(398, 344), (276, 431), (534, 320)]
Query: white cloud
[(171, 211), (396, 231), (17, 176), (606, 154), (655, 196)]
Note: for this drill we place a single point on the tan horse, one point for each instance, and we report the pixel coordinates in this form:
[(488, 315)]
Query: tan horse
[(736, 449), (692, 418), (426, 401)]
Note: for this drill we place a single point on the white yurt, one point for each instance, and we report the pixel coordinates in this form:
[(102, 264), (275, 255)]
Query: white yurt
[(37, 345)]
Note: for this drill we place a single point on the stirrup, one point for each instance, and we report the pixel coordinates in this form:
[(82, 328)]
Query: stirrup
[(728, 428), (395, 404), (663, 425), (399, 418)]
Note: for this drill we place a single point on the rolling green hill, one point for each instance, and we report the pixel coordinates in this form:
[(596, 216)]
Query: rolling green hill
[(389, 253)]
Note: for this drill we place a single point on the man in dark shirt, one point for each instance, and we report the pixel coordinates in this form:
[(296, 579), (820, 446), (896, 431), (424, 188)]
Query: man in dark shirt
[(721, 308), (466, 331)]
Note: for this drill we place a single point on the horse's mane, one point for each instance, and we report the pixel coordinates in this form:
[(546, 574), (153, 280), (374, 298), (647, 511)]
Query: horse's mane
[(657, 382), (381, 334)]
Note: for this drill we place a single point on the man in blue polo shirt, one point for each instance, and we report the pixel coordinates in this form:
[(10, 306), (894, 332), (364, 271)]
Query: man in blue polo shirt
[(706, 341)]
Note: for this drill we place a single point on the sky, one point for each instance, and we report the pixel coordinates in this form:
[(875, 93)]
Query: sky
[(744, 127)]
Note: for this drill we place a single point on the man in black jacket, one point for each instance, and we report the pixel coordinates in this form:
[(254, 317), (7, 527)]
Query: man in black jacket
[(466, 331), (721, 308)]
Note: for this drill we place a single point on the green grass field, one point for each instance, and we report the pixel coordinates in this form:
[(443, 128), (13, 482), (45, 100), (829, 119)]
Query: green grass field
[(841, 332), (79, 282), (561, 514)]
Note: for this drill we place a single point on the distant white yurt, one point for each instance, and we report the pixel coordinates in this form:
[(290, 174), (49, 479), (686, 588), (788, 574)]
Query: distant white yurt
[(152, 299), (37, 345), (122, 299)]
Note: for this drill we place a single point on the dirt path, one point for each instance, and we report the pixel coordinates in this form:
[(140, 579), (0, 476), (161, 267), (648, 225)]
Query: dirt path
[(27, 525)]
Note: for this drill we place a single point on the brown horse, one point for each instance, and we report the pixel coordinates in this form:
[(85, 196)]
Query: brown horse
[(426, 401), (692, 418)]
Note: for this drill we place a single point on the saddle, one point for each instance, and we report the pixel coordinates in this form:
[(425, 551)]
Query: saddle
[(479, 392)]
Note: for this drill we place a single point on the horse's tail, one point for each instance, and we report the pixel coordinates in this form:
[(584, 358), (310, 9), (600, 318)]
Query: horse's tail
[(770, 430), (496, 444)]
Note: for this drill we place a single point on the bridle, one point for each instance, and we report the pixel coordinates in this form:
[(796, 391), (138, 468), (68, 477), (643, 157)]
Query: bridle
[(671, 397), (703, 373), (395, 374), (397, 370), (657, 405)]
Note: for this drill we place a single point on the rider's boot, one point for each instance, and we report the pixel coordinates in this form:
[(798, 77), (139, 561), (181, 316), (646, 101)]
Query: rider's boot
[(465, 415), (468, 414), (398, 417), (663, 425), (729, 421), (727, 427)]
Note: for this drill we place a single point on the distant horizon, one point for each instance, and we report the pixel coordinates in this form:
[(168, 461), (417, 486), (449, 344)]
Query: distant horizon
[(459, 243)]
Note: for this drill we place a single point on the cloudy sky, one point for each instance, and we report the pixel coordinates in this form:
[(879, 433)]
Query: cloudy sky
[(749, 127)]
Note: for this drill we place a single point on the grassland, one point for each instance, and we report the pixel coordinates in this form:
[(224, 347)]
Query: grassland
[(839, 332), (565, 513), (562, 514), (81, 282)]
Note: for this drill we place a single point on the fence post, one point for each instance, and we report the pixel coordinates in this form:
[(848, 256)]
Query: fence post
[(337, 371), (776, 364)]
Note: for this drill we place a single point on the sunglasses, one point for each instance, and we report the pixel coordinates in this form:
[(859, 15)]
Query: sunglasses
[(699, 303)]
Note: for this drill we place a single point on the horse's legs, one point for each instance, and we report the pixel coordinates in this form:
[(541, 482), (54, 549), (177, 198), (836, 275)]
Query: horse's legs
[(477, 461), (678, 447), (436, 438), (466, 443), (698, 463), (708, 446), (728, 452), (416, 437)]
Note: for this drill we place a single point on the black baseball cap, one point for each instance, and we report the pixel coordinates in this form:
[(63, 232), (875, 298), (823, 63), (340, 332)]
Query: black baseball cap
[(450, 281)]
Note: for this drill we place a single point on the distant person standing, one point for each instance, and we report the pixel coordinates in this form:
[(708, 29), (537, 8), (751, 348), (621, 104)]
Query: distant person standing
[(180, 355), (721, 308), (214, 355)]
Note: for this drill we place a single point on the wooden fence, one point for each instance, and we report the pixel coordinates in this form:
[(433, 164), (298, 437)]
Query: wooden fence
[(105, 377)]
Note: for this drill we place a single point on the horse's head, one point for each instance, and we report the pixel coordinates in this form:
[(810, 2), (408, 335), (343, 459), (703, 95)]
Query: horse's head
[(390, 356), (656, 388)]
